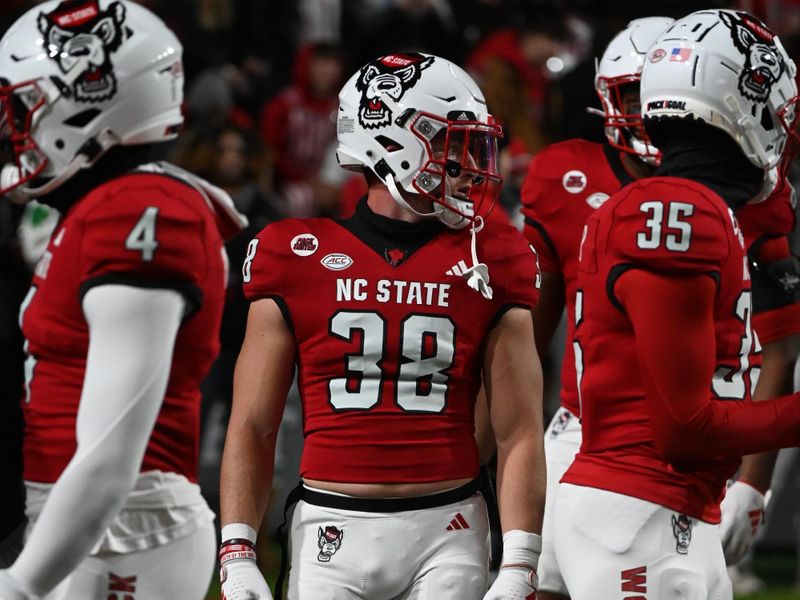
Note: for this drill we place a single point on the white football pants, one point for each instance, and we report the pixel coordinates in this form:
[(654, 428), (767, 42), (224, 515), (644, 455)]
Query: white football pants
[(178, 570), (562, 440), (615, 546), (439, 553)]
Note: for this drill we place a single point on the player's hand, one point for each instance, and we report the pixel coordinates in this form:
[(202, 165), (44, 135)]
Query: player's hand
[(10, 589), (514, 583), (240, 577), (742, 516), (517, 579)]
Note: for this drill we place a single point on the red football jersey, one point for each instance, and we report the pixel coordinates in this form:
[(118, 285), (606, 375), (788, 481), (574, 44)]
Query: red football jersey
[(673, 226), (140, 229), (773, 217), (765, 227), (565, 183), (389, 336), (568, 181)]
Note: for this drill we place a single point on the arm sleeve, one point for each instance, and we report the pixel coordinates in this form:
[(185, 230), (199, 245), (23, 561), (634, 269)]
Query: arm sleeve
[(775, 275), (131, 338), (773, 268), (688, 424)]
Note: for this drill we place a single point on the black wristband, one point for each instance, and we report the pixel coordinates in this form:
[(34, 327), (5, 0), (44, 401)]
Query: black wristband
[(239, 541)]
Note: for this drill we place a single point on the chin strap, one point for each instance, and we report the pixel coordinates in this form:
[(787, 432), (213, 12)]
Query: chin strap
[(477, 275)]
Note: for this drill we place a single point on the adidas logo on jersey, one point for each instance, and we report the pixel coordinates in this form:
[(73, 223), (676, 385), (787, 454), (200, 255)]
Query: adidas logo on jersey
[(458, 269), (458, 522)]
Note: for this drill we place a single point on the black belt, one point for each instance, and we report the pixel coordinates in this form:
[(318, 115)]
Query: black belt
[(378, 505)]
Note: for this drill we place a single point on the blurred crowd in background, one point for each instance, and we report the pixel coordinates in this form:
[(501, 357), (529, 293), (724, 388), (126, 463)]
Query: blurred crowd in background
[(261, 97)]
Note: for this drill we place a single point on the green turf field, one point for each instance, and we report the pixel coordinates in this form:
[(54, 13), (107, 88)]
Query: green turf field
[(778, 593), (778, 570)]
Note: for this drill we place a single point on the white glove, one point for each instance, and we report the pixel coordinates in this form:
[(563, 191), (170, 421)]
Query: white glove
[(514, 583), (11, 590), (517, 579), (742, 515), (242, 580), (239, 574)]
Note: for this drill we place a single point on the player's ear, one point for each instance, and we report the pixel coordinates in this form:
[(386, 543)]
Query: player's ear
[(322, 534), (674, 521)]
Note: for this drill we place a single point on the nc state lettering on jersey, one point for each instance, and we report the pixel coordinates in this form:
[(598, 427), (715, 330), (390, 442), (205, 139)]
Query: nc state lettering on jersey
[(393, 290)]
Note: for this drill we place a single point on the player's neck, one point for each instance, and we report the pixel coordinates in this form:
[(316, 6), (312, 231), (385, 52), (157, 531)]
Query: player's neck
[(636, 168), (380, 201)]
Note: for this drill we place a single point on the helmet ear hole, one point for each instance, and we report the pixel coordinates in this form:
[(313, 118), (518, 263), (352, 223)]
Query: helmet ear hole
[(388, 143), (766, 120), (83, 118)]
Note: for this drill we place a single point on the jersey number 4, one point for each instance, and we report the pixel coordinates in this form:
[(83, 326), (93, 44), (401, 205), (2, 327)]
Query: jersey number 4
[(143, 235), (427, 350)]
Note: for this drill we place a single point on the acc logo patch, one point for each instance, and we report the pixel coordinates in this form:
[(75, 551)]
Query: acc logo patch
[(597, 200), (329, 542), (80, 33), (657, 54), (336, 261), (574, 181), (304, 244)]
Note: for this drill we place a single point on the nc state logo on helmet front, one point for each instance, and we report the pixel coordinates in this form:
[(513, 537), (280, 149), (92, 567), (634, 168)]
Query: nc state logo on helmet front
[(764, 64), (390, 76), (80, 32)]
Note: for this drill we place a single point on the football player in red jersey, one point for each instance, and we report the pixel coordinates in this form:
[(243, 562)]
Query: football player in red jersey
[(393, 321), (665, 355), (121, 320), (566, 182), (776, 319)]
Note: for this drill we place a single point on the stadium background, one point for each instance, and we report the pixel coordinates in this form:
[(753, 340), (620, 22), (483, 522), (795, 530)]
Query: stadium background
[(262, 80)]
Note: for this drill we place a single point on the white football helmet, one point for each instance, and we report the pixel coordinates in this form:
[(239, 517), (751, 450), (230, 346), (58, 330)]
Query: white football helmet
[(418, 122), (76, 78), (619, 71), (729, 70)]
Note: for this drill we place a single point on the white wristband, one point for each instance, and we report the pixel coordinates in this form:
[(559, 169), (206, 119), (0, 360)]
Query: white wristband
[(521, 548), (240, 531)]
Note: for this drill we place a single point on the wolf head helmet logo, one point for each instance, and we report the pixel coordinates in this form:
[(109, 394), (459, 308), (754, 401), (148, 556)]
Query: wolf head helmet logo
[(763, 62), (82, 35)]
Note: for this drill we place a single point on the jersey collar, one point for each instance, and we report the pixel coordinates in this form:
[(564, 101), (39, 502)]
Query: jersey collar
[(392, 239)]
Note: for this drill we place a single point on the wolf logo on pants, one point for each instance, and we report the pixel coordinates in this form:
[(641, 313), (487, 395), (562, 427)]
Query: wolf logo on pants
[(329, 542)]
